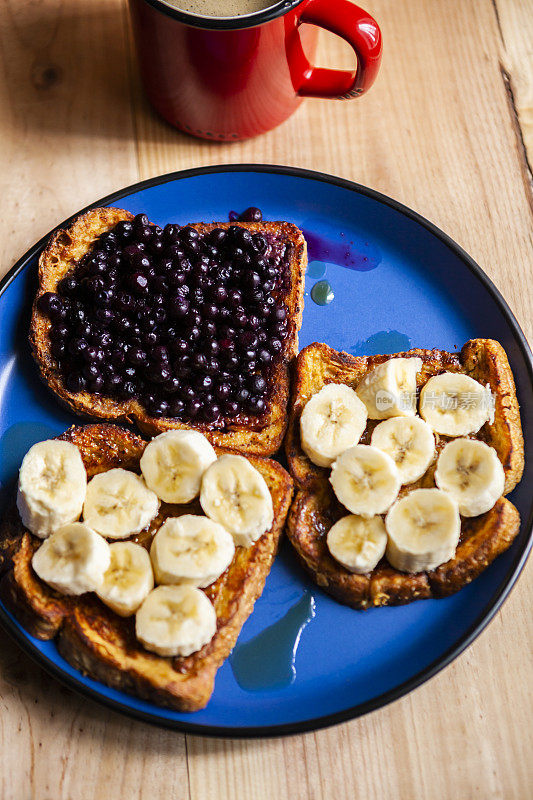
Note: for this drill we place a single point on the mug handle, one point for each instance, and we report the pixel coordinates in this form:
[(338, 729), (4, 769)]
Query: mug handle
[(362, 33)]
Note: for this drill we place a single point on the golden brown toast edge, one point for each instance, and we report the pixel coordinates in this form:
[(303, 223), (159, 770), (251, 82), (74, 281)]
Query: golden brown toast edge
[(67, 246), (314, 511), (100, 643), (482, 359), (315, 508)]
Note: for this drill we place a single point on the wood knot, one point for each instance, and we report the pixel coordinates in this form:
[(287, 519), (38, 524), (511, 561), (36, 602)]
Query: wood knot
[(45, 75)]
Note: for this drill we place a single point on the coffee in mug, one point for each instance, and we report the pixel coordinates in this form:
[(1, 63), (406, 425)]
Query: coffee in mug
[(221, 8)]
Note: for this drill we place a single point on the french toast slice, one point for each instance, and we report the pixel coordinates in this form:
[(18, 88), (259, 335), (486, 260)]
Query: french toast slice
[(315, 508), (261, 434), (103, 645)]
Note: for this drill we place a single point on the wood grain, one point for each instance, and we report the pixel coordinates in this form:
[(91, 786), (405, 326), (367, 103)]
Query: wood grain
[(447, 130)]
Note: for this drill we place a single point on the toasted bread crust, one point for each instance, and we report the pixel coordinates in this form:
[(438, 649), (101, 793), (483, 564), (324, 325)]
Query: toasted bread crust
[(65, 248), (100, 643), (315, 508), (312, 514)]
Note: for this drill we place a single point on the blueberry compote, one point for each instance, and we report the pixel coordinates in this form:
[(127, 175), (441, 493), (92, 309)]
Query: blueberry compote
[(192, 325)]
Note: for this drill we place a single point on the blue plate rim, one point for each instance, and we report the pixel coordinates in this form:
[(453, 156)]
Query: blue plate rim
[(525, 537)]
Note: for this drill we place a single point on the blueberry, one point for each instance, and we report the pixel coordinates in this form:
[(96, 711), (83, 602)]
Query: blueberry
[(105, 316), (204, 381), (243, 395), (252, 214), (231, 408), (178, 307), (53, 306), (256, 405), (179, 346), (199, 361), (248, 340), (77, 347), (91, 371), (113, 384), (128, 389), (258, 384), (171, 232), (137, 357), (160, 354), (189, 234), (58, 348), (172, 385), (177, 407), (234, 298), (124, 230), (67, 286), (210, 411), (264, 356), (75, 382), (192, 407), (223, 391), (259, 243), (217, 236)]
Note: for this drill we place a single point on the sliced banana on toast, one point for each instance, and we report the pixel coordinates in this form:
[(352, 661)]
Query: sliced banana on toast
[(175, 621), (423, 529), (173, 464), (128, 579), (455, 404), (365, 480), (471, 472), (410, 442), (235, 494), (389, 390), (73, 560), (358, 543), (332, 420), (51, 488), (118, 504), (191, 550)]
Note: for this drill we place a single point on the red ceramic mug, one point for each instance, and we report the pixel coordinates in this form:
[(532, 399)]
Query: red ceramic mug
[(230, 78)]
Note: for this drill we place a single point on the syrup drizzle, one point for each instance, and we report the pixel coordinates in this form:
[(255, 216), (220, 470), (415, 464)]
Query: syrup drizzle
[(267, 661)]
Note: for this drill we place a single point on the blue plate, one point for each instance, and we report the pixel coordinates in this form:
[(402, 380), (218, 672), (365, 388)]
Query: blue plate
[(303, 661)]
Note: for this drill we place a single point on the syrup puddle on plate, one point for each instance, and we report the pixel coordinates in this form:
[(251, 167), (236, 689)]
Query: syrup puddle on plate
[(322, 293), (267, 660), (382, 342), (359, 256)]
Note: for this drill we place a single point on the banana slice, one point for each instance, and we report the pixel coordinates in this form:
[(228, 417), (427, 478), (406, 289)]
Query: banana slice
[(72, 560), (409, 441), (173, 464), (332, 420), (118, 504), (128, 579), (365, 480), (357, 543), (455, 404), (471, 472), (175, 621), (423, 529), (389, 390), (235, 495), (191, 550), (51, 488)]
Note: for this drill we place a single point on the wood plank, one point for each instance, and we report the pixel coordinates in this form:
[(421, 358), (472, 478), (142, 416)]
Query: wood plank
[(66, 125), (515, 20)]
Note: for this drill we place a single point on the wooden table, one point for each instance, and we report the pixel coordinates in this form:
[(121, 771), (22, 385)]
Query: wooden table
[(448, 130)]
